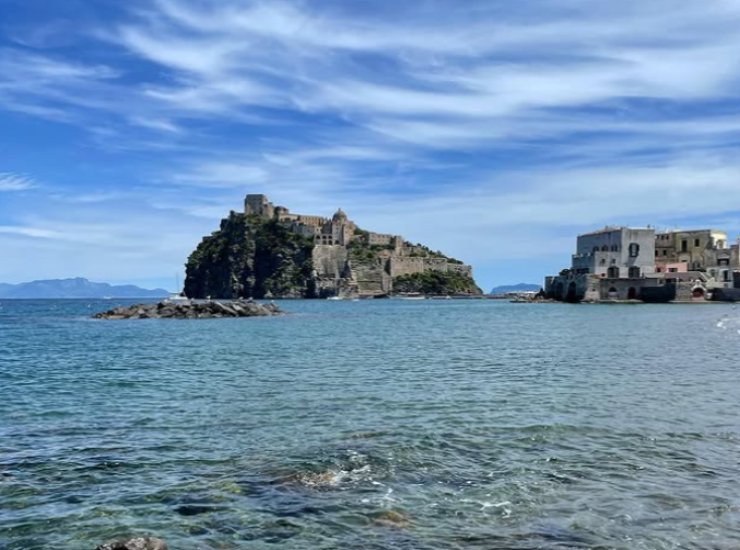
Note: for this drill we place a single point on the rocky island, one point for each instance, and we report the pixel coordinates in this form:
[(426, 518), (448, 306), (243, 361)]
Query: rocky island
[(267, 251)]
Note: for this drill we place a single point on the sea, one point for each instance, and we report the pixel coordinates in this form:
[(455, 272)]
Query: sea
[(377, 424)]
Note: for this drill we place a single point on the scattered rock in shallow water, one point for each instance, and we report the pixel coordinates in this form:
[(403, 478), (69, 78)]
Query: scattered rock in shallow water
[(392, 519), (191, 309), (195, 509), (138, 543)]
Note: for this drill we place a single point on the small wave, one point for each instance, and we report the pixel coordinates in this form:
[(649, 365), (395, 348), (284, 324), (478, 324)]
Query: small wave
[(332, 478), (349, 467)]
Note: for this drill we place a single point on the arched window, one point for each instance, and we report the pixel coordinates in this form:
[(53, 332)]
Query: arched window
[(634, 250), (605, 248)]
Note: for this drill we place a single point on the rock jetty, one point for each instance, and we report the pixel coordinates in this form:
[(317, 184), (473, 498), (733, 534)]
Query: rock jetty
[(191, 309)]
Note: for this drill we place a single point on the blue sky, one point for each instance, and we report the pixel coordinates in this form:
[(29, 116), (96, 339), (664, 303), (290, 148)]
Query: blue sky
[(494, 131)]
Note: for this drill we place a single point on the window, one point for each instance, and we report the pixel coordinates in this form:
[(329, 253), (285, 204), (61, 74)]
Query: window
[(684, 245), (613, 272), (697, 242), (596, 249), (633, 272), (605, 248), (615, 248), (634, 250), (665, 253), (602, 261)]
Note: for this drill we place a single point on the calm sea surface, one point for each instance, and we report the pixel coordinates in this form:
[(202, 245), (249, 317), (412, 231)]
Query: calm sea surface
[(372, 425)]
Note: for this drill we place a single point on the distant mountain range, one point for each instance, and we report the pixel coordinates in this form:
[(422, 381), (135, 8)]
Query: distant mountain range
[(76, 288), (521, 287)]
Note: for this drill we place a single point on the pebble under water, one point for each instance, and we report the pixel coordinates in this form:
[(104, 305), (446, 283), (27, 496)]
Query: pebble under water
[(376, 424)]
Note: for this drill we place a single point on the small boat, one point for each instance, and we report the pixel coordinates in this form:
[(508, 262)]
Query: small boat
[(335, 298), (177, 297), (413, 297)]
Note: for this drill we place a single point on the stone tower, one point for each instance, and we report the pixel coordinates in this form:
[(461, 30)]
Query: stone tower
[(258, 205), (341, 228)]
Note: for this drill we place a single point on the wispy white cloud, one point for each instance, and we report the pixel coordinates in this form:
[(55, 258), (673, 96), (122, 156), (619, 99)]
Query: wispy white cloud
[(15, 182), (26, 231)]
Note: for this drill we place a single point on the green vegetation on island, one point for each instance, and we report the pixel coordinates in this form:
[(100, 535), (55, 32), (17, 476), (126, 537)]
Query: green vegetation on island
[(436, 283)]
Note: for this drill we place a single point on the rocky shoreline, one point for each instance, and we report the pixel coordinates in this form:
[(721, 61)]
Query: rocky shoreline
[(191, 309)]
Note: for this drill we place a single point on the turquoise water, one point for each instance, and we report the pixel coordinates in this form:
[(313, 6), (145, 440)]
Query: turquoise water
[(373, 424)]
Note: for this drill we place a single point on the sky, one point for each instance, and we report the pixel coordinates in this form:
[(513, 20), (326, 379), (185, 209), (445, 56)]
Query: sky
[(495, 131)]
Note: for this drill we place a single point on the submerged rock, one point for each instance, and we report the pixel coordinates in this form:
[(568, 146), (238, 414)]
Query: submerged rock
[(393, 519), (191, 309), (138, 543)]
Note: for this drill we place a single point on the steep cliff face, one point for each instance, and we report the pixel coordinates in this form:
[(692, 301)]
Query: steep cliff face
[(250, 258)]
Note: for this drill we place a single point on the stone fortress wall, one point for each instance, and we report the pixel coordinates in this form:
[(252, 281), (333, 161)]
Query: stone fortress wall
[(333, 268), (380, 239)]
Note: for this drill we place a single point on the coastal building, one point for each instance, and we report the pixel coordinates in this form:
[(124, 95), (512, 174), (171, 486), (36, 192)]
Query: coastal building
[(615, 252), (623, 263), (700, 250)]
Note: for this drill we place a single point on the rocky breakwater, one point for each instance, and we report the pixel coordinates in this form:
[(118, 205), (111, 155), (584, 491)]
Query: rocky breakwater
[(191, 309)]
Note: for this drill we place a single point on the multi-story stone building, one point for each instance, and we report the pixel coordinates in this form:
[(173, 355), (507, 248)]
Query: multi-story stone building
[(615, 252), (697, 248), (701, 250)]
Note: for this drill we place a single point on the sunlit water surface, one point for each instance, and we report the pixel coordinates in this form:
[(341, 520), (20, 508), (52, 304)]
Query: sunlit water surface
[(372, 424)]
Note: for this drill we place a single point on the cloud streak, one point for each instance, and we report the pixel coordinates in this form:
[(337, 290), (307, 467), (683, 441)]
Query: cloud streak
[(15, 182)]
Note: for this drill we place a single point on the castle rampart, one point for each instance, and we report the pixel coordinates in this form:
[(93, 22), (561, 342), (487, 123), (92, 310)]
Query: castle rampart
[(380, 239)]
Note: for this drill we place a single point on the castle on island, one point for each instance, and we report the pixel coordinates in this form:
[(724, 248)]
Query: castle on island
[(335, 231), (625, 264), (337, 270)]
